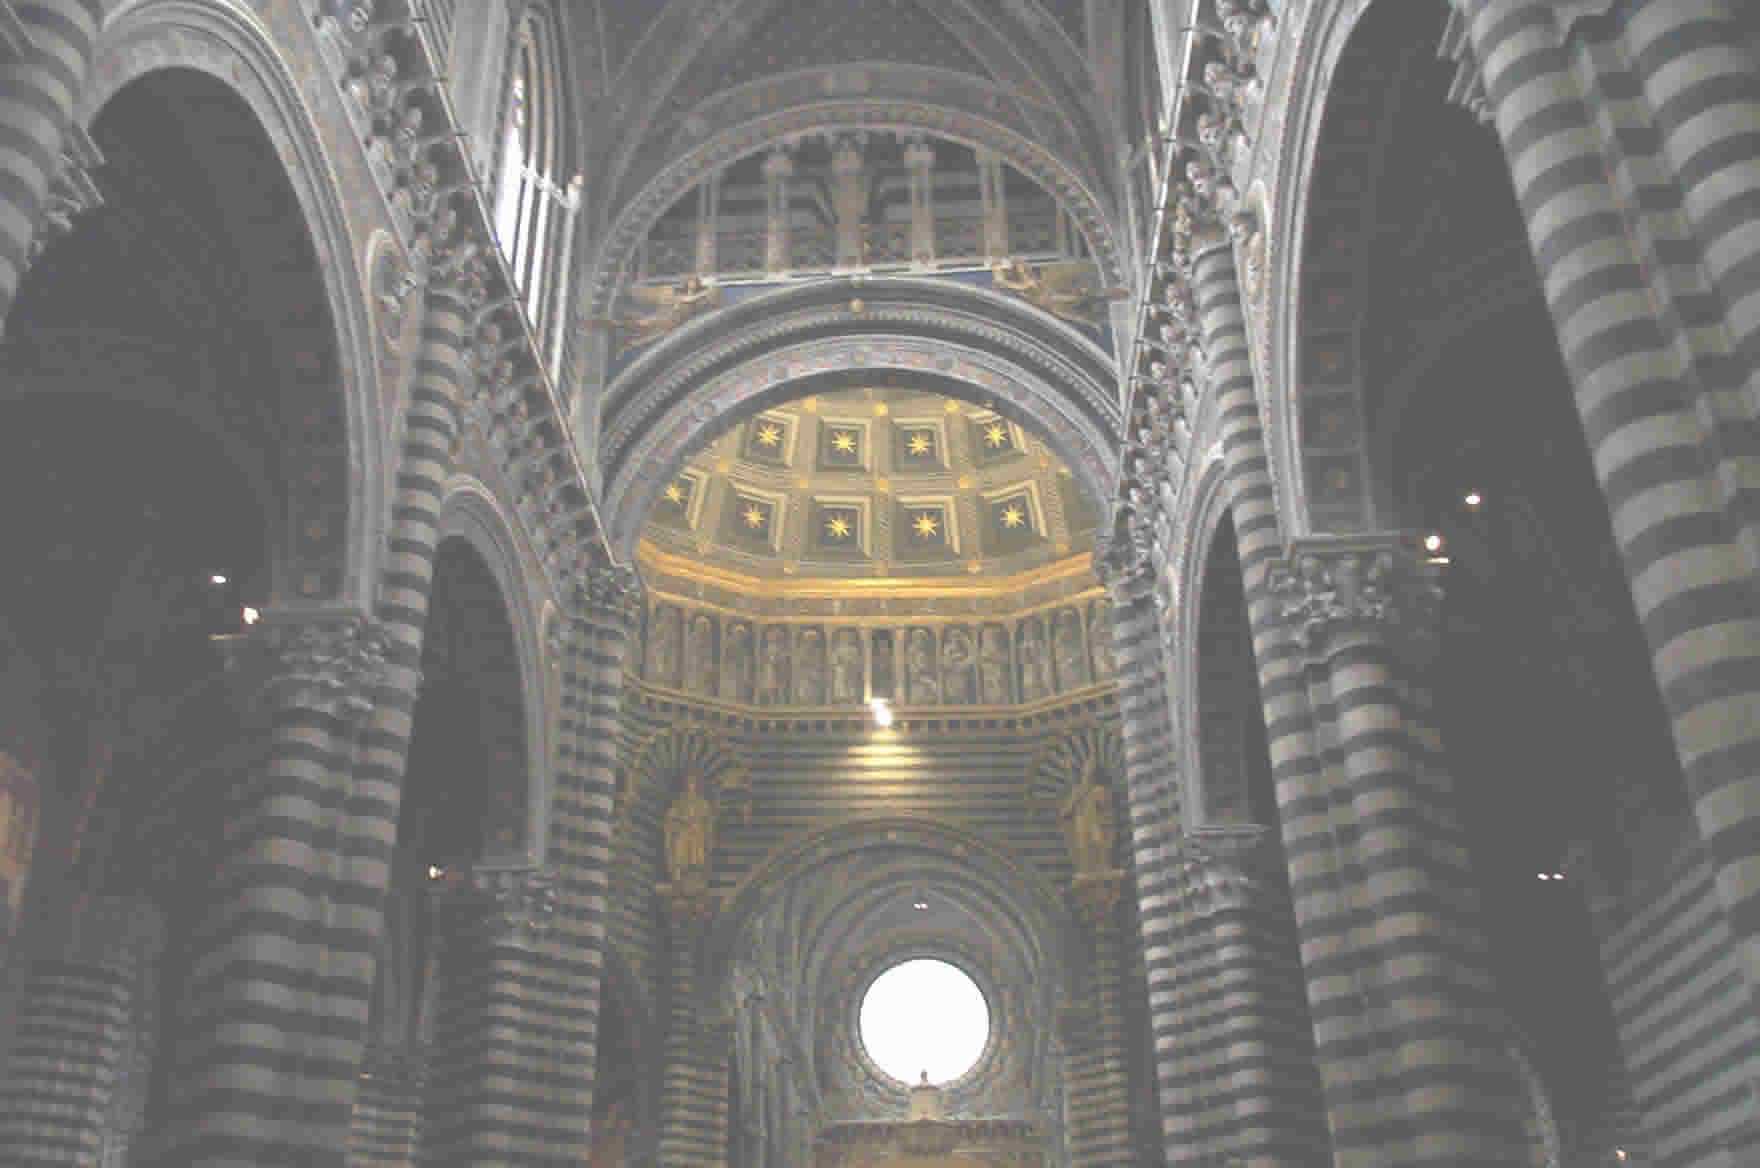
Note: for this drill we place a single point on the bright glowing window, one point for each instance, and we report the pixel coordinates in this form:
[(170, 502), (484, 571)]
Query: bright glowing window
[(924, 1015)]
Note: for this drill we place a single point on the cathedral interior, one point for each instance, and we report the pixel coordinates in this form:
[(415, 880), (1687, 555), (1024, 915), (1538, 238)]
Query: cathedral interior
[(1229, 529)]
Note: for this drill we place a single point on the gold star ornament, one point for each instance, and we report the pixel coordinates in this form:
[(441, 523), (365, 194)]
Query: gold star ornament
[(1013, 516), (675, 494), (844, 442), (837, 527), (926, 525), (769, 434), (918, 445), (995, 435), (754, 516)]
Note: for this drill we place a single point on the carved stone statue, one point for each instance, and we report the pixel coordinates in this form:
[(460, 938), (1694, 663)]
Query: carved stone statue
[(690, 836), (1035, 668), (773, 687), (846, 667), (809, 668), (1066, 644), (1087, 818), (1100, 638), (663, 645), (920, 667), (993, 666), (883, 666), (1070, 291), (19, 809), (957, 667), (656, 311), (736, 663), (699, 656)]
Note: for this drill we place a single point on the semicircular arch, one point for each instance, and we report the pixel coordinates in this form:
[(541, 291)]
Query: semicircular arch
[(334, 523), (1074, 189)]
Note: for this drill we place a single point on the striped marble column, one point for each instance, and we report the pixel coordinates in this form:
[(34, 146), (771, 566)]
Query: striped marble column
[(1248, 1085), (1306, 813), (1152, 805), (83, 1002), (1691, 579), (386, 1132), (42, 74), (1440, 1090), (1096, 1075), (693, 1086), (490, 1044), (270, 1052)]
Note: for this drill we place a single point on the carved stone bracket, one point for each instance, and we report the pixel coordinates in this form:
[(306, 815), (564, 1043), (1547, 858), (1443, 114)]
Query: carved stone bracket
[(689, 905), (1222, 869), (1375, 584)]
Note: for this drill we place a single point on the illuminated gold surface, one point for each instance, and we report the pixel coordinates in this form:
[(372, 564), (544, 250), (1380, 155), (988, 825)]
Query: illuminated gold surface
[(655, 560)]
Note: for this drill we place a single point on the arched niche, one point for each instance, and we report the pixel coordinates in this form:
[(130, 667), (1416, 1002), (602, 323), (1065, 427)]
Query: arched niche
[(234, 104)]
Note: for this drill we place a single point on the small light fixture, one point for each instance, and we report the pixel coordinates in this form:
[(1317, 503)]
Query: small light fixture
[(1472, 498), (882, 712), (435, 871), (251, 615), (1433, 543), (1620, 1155), (920, 904), (218, 579)]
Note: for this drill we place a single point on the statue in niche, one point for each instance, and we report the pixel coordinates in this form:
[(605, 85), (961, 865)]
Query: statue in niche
[(656, 311), (1066, 644), (1035, 669), (1100, 638), (1087, 819), (736, 663), (957, 667), (883, 665), (993, 665), (699, 656), (846, 667), (690, 836), (663, 639), (809, 668), (773, 667), (920, 667)]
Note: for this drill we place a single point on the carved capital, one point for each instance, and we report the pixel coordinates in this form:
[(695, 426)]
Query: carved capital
[(1370, 584), (506, 906), (395, 1069), (1220, 869), (330, 663), (72, 192), (610, 593)]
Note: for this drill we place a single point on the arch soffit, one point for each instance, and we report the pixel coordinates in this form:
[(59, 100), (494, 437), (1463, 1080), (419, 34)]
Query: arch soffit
[(1210, 506), (469, 511), (955, 369), (1321, 43), (1026, 896), (1074, 189), (225, 41)]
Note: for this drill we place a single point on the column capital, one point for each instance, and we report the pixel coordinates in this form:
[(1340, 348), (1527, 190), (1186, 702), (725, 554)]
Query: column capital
[(327, 661), (1222, 868), (1375, 584), (689, 904), (507, 906), (607, 594), (396, 1067)]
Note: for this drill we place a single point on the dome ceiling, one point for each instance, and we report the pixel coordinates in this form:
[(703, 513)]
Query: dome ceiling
[(873, 484)]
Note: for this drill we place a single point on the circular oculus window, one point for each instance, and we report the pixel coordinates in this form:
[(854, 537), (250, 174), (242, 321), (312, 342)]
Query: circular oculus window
[(924, 1017)]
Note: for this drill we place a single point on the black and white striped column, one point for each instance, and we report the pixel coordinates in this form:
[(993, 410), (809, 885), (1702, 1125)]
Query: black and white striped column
[(490, 1047), (386, 1132), (1437, 1087), (39, 90), (1248, 1088), (82, 1003), (1096, 1076), (1691, 578), (693, 1086), (269, 1053)]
